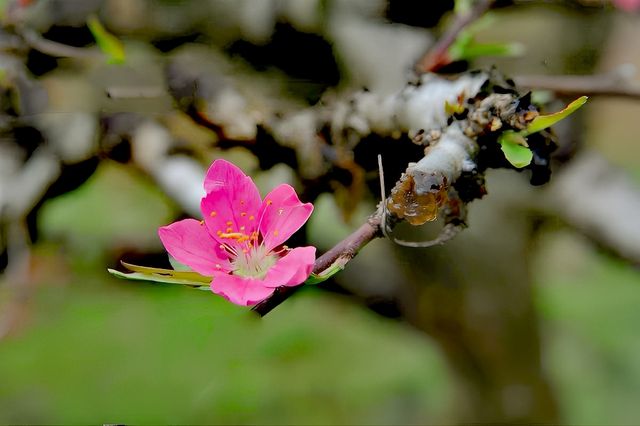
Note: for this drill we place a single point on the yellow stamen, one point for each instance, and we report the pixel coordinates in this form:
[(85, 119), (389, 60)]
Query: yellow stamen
[(232, 235), (275, 233), (213, 214), (229, 223), (243, 214), (251, 217)]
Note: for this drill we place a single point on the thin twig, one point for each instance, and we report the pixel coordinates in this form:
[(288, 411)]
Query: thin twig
[(590, 85), (437, 56), (341, 254), (383, 199), (55, 49)]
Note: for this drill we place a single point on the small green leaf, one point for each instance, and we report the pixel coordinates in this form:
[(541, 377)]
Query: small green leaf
[(194, 279), (165, 279), (514, 144), (454, 108), (465, 47), (543, 121), (515, 149), (107, 42), (459, 46), (324, 275), (462, 6), (478, 50), (183, 275)]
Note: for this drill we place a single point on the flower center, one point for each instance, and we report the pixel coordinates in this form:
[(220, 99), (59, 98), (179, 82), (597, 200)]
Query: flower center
[(254, 262)]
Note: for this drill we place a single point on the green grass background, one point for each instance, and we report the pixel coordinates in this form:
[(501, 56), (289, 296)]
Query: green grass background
[(96, 349)]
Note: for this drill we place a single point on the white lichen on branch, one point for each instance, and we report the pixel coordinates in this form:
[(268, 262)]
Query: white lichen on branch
[(445, 115), (417, 107)]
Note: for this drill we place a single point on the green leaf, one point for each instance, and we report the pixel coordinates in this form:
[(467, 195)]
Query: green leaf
[(515, 149), (477, 50), (514, 144), (183, 275), (194, 279), (543, 121), (466, 48), (160, 275), (324, 275), (459, 46), (109, 44), (165, 279), (462, 6)]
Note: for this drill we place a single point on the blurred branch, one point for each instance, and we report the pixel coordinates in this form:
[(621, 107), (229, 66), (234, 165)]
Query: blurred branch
[(617, 84), (602, 202), (437, 56), (55, 49), (340, 254)]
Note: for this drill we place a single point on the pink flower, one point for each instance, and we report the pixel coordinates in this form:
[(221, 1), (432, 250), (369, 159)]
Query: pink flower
[(627, 5), (239, 242)]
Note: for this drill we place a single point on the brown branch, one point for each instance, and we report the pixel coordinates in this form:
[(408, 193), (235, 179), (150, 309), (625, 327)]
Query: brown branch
[(340, 254), (437, 56), (611, 84)]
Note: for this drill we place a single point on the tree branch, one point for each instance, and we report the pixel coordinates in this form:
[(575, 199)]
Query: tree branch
[(601, 201), (341, 254), (445, 116), (55, 49), (615, 84)]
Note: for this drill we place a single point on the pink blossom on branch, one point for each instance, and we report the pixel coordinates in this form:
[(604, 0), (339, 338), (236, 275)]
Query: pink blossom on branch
[(240, 241), (627, 5)]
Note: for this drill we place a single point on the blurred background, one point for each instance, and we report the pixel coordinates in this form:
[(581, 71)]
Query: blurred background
[(531, 314)]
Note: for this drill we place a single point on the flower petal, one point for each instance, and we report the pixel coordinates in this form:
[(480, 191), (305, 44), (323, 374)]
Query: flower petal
[(222, 173), (240, 290), (292, 269), (232, 202), (282, 214), (627, 5), (190, 243)]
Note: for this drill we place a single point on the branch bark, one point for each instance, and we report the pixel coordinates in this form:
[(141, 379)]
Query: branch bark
[(614, 84), (57, 50), (424, 111)]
